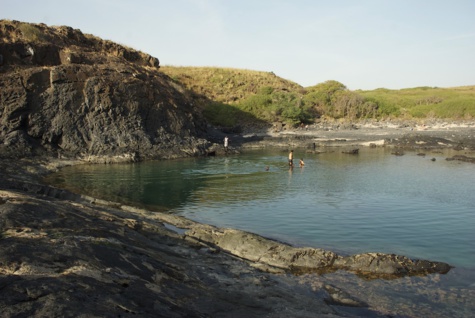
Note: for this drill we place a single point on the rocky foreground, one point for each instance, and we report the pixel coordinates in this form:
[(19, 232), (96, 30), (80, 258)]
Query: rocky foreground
[(67, 255)]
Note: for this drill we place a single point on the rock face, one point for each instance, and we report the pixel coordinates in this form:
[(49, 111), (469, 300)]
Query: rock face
[(75, 95)]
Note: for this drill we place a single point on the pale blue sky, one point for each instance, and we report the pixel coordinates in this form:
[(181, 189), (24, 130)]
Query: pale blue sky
[(363, 44)]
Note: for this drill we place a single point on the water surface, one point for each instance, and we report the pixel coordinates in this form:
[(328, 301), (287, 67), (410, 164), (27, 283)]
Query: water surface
[(373, 201), (370, 202)]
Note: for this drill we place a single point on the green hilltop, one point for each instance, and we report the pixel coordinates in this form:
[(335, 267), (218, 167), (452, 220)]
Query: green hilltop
[(236, 97)]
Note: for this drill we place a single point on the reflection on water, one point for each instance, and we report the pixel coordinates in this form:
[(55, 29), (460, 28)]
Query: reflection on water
[(374, 201)]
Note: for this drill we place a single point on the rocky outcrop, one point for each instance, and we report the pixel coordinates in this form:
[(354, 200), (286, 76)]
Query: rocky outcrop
[(462, 158), (271, 253), (27, 44), (257, 249), (70, 94), (430, 140), (377, 265)]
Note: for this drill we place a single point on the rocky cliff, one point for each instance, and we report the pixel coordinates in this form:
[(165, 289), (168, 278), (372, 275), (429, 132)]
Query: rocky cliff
[(71, 94)]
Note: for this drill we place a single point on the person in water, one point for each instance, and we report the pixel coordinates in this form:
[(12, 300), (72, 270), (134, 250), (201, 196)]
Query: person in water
[(301, 163), (291, 158), (226, 144)]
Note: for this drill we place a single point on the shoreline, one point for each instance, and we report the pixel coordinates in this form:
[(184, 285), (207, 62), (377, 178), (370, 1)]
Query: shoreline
[(128, 231)]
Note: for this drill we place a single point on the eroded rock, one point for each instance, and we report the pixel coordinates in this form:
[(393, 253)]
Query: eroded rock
[(72, 95), (374, 264), (258, 249)]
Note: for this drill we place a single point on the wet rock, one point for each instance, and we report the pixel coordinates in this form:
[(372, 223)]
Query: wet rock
[(352, 151), (258, 249), (431, 140), (462, 158), (379, 264)]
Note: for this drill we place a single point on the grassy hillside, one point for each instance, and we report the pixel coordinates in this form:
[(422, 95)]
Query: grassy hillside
[(227, 85), (426, 102), (235, 97)]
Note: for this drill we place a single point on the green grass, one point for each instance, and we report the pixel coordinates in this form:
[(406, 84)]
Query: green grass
[(231, 97), (226, 85), (426, 102)]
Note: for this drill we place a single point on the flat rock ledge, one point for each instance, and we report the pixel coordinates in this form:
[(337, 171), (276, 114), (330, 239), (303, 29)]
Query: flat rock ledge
[(264, 253), (68, 255), (272, 254)]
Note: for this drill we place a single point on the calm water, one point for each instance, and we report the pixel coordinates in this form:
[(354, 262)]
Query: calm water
[(374, 201)]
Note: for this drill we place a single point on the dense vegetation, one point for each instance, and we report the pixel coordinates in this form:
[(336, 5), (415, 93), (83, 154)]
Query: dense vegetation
[(230, 97)]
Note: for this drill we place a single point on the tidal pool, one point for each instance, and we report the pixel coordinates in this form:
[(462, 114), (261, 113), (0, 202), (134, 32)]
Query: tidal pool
[(419, 206)]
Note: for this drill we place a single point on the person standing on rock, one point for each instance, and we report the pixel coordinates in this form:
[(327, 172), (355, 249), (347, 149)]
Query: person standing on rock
[(291, 158), (226, 144)]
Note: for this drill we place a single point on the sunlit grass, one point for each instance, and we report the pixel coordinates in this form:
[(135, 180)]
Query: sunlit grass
[(230, 97)]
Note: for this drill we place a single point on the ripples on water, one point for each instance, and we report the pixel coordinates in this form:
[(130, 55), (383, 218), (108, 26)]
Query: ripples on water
[(374, 201)]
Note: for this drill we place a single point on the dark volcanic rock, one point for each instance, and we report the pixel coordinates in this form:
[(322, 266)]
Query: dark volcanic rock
[(79, 96)]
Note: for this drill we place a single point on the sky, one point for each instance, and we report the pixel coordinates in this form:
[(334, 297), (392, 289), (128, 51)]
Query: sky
[(364, 44)]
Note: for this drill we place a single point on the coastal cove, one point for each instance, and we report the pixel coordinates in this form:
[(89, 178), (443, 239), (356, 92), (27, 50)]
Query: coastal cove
[(87, 227), (130, 189), (413, 205)]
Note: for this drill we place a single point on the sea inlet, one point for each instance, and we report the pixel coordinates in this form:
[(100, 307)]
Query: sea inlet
[(418, 205)]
